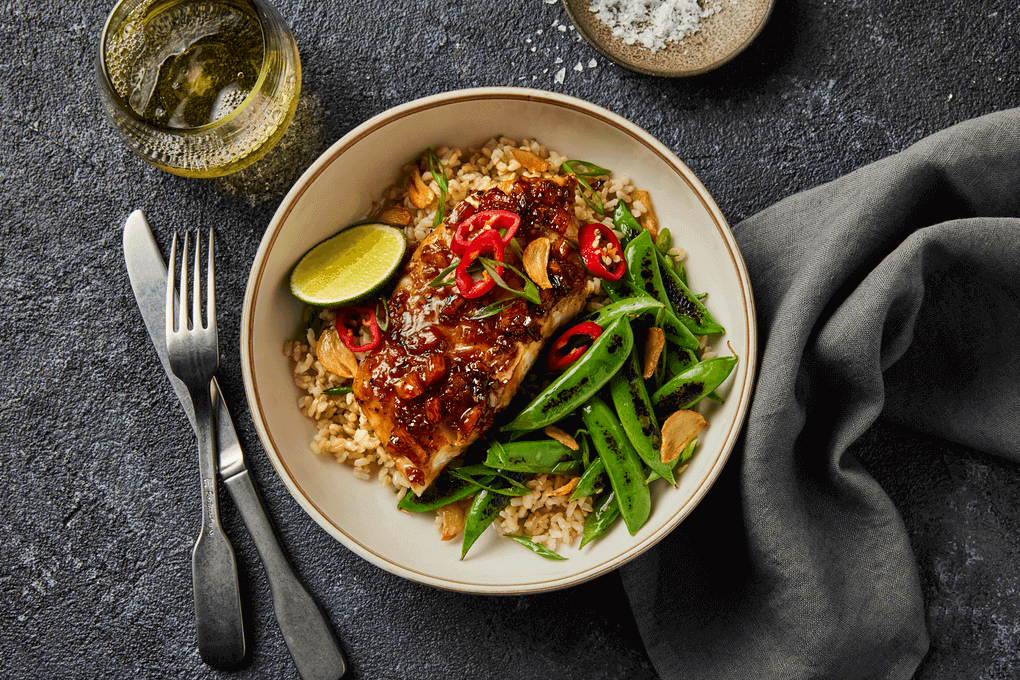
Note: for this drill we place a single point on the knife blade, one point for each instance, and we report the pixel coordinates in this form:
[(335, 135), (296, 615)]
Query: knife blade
[(309, 638)]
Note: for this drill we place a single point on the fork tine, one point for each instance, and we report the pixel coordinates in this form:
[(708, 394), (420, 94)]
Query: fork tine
[(196, 296), (170, 289), (210, 305), (182, 308)]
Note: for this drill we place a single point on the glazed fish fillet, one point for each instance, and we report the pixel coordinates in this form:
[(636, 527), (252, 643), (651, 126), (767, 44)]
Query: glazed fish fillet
[(439, 377)]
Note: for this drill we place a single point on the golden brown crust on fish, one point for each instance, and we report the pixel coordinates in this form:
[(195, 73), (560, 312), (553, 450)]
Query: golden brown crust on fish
[(439, 376)]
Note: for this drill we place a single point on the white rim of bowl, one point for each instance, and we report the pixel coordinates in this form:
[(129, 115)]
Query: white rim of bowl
[(457, 96)]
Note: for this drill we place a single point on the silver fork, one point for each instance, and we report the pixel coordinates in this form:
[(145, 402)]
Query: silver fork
[(193, 353)]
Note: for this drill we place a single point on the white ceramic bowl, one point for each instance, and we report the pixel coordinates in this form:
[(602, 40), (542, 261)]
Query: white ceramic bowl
[(338, 190)]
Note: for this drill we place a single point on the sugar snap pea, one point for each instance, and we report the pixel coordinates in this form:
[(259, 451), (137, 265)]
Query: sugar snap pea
[(604, 512), (688, 388), (634, 409), (679, 360), (624, 220), (582, 379), (643, 267), (688, 307), (623, 467), (643, 277), (542, 456), (614, 291), (630, 306), (591, 481), (484, 509), (445, 490), (663, 241)]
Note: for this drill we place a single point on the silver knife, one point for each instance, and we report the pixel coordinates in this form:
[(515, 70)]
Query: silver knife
[(309, 638)]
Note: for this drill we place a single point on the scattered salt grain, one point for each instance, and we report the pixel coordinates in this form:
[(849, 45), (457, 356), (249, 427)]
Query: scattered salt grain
[(592, 64), (653, 23), (560, 75), (578, 67)]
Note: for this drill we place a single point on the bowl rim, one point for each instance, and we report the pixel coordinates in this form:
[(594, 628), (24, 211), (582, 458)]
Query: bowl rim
[(336, 151)]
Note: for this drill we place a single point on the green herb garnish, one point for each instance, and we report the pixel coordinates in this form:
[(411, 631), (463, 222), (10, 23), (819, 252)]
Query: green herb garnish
[(589, 170), (438, 174), (530, 292), (382, 314), (440, 280), (491, 309), (536, 548), (516, 488)]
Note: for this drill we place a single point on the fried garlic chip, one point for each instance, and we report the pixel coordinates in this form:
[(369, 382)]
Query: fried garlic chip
[(421, 196), (453, 520), (562, 437), (536, 262), (334, 355), (655, 340), (677, 431)]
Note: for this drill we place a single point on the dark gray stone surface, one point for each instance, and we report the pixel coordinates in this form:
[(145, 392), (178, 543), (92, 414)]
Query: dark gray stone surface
[(98, 481)]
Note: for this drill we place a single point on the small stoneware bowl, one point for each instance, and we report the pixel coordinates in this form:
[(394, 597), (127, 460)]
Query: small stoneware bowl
[(720, 38), (338, 190)]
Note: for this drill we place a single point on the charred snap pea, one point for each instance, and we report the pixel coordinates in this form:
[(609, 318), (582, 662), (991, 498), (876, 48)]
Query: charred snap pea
[(680, 460), (582, 379), (623, 466), (604, 512), (591, 481), (614, 291), (688, 388), (680, 360), (634, 409), (542, 456), (625, 221), (445, 490), (688, 307), (631, 306), (644, 278), (485, 508), (643, 267)]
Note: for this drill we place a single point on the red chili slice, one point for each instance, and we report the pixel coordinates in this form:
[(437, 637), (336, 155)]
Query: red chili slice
[(487, 241), (480, 222), (598, 241), (557, 360), (348, 317)]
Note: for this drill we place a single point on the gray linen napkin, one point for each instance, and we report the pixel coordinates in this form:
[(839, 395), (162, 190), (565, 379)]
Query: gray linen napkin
[(893, 290)]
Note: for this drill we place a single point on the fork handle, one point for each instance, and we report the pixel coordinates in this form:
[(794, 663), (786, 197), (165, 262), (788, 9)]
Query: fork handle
[(218, 620), (305, 629)]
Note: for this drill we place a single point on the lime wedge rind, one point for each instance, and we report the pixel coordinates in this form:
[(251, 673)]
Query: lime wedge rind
[(349, 266)]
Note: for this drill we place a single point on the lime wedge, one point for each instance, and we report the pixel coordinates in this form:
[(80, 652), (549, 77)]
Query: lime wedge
[(349, 266)]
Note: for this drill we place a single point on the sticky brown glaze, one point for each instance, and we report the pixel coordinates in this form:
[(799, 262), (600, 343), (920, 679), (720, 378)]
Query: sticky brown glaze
[(439, 377)]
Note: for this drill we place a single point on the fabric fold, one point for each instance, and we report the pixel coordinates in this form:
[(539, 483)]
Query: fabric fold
[(891, 292)]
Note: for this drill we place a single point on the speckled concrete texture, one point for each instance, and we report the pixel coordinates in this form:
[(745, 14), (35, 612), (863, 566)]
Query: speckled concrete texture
[(99, 488)]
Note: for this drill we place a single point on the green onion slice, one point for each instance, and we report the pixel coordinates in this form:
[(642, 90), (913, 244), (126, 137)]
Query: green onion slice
[(536, 548), (438, 174)]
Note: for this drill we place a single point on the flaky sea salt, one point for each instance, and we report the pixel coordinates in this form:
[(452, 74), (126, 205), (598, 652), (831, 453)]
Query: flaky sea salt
[(653, 23)]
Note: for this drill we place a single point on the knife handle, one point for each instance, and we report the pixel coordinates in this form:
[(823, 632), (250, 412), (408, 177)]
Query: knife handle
[(309, 638)]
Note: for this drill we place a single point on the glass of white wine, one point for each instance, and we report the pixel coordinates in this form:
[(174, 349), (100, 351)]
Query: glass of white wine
[(199, 89)]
